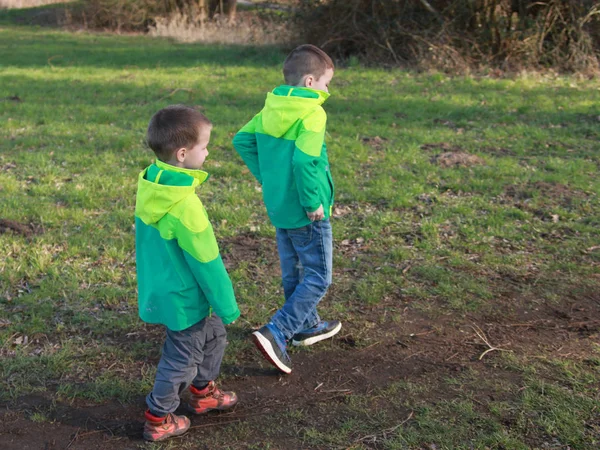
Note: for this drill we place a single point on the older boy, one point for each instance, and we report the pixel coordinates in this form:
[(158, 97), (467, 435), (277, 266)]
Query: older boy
[(181, 276), (284, 148)]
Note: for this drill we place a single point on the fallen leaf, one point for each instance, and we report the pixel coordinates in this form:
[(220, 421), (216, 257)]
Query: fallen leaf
[(21, 340)]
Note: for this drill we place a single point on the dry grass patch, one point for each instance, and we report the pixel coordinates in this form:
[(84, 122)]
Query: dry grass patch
[(246, 30), (17, 4), (457, 159)]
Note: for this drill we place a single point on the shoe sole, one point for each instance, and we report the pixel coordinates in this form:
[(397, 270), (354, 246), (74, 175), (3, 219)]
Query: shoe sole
[(191, 409), (181, 432), (319, 338), (265, 347)]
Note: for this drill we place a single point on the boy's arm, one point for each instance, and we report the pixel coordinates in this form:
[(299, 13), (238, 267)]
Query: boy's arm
[(197, 240), (307, 153), (244, 143)]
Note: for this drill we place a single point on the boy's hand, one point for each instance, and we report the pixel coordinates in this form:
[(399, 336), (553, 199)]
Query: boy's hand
[(319, 214)]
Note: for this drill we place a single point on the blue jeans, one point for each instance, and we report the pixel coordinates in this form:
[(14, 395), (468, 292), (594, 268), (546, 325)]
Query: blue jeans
[(306, 258)]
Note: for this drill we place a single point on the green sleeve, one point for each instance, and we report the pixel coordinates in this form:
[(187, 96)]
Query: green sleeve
[(196, 238), (244, 143), (214, 281), (307, 154)]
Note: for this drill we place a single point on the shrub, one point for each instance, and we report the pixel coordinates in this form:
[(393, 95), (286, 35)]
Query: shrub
[(455, 34), (131, 15)]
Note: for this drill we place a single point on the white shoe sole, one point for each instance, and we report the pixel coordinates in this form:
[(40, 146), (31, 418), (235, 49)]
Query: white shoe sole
[(319, 338), (264, 345)]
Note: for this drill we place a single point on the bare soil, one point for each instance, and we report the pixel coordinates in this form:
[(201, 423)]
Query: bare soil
[(414, 348)]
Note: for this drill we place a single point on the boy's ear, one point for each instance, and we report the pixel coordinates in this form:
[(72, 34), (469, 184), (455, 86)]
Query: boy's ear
[(309, 81), (180, 154)]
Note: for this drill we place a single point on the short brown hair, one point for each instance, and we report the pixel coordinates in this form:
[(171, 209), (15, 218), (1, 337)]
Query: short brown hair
[(305, 60), (174, 127)]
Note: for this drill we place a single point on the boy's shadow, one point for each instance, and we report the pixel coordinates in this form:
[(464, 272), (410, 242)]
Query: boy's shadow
[(249, 371), (247, 366)]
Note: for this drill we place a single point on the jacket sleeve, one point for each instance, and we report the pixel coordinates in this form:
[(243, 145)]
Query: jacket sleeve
[(244, 143), (197, 240), (307, 154)]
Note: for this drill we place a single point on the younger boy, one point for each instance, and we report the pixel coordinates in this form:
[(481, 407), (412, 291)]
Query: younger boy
[(181, 276), (284, 148)]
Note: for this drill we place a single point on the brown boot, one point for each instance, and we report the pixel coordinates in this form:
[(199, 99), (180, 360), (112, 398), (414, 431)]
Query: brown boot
[(159, 428), (209, 398)]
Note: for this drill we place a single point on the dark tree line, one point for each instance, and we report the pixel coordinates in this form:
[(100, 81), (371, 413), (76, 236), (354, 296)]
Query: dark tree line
[(564, 34), (445, 34)]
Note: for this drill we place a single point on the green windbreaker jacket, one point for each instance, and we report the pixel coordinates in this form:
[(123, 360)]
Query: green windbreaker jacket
[(180, 272), (284, 148)]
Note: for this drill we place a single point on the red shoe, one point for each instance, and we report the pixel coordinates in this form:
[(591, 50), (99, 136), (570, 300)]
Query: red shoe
[(159, 428), (209, 398)]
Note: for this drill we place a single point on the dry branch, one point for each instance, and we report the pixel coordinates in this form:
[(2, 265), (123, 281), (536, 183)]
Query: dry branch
[(486, 341)]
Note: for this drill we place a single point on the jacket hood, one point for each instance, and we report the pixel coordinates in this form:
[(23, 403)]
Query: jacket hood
[(286, 104), (161, 186)]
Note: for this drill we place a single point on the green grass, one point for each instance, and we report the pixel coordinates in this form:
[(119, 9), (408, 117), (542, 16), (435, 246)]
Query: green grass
[(410, 233)]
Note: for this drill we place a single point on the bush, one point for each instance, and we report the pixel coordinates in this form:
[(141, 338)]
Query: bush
[(139, 15), (121, 15), (456, 34)]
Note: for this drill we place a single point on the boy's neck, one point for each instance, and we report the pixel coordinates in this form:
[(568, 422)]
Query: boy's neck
[(174, 162)]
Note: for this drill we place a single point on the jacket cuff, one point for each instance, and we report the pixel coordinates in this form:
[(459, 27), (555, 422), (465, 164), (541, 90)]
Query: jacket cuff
[(230, 317), (312, 208)]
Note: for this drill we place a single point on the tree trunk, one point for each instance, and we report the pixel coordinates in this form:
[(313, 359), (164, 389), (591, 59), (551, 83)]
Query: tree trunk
[(231, 9), (203, 7)]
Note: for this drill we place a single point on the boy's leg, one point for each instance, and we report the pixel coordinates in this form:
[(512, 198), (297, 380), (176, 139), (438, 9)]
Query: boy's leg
[(314, 246), (289, 262), (292, 272), (314, 329), (205, 396), (312, 320), (213, 348), (175, 371)]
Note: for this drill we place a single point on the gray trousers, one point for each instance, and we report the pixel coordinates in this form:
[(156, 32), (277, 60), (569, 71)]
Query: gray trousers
[(191, 356)]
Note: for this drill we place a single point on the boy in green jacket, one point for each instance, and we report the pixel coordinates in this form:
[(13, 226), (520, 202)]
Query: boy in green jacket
[(284, 148), (181, 277)]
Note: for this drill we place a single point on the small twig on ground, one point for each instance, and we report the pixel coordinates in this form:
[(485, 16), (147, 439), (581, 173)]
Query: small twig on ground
[(174, 91), (383, 434), (90, 432), (372, 345), (10, 339), (414, 354), (214, 423), (74, 439), (484, 338), (584, 324), (425, 333), (452, 356), (80, 435), (51, 58)]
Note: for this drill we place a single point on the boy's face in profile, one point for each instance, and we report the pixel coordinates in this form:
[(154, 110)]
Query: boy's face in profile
[(322, 84), (195, 156)]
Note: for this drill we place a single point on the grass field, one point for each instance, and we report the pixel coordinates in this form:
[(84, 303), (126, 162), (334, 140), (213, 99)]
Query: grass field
[(467, 219)]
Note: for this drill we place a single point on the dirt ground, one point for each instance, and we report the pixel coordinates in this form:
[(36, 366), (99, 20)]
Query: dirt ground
[(417, 348)]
